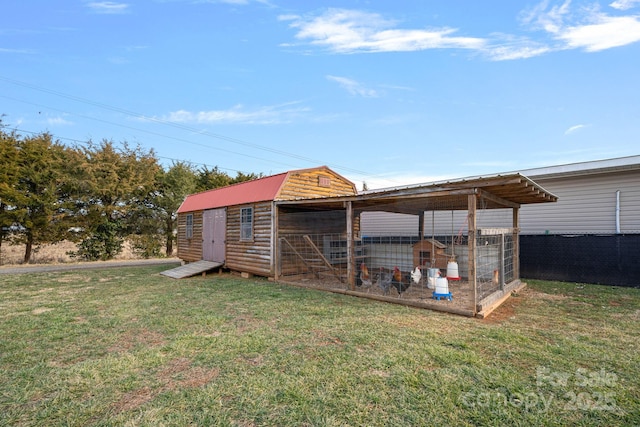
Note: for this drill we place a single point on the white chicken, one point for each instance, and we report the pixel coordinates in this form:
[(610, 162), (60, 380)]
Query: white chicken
[(416, 275)]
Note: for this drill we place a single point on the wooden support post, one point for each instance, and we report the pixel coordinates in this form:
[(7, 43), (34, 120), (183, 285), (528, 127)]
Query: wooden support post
[(351, 253), (471, 208), (421, 225), (501, 251), (516, 243), (276, 252)]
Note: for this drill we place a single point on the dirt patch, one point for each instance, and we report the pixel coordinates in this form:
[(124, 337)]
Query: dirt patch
[(180, 374), (137, 337), (254, 361), (41, 310), (73, 278), (379, 373), (546, 297), (134, 399), (507, 310), (325, 339), (176, 374)]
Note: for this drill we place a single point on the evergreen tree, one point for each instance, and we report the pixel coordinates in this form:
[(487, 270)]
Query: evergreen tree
[(38, 203), (212, 178), (9, 174), (161, 206), (114, 184)]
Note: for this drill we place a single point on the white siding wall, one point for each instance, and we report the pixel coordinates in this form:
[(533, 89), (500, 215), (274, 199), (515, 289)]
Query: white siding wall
[(439, 223), (586, 204), (388, 224)]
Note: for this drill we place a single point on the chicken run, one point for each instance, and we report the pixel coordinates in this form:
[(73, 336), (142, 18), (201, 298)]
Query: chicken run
[(312, 228), (427, 268)]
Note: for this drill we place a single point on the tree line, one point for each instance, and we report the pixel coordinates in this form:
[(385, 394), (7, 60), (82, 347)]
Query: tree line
[(96, 194)]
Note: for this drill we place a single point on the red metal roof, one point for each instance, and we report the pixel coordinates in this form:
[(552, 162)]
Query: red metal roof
[(258, 190)]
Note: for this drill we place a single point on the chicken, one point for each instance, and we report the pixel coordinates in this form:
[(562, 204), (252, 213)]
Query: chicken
[(363, 278), (416, 275), (400, 282), (384, 281)]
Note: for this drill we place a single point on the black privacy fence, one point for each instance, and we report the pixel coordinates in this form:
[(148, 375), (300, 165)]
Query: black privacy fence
[(587, 258)]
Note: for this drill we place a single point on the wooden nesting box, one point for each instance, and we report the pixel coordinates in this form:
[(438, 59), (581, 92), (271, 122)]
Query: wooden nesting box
[(422, 254)]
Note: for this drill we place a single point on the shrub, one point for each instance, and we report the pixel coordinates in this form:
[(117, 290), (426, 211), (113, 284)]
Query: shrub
[(147, 245)]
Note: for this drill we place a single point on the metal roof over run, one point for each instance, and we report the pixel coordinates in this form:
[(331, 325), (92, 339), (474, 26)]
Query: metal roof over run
[(497, 191)]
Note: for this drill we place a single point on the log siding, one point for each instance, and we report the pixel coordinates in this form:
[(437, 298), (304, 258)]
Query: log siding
[(251, 256), (190, 250)]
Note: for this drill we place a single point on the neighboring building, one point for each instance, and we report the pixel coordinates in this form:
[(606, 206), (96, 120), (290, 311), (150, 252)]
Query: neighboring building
[(599, 197), (591, 234)]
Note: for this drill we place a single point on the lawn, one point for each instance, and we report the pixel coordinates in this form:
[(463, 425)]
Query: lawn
[(118, 347)]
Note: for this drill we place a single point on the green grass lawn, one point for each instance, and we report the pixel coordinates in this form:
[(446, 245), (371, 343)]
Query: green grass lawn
[(131, 347)]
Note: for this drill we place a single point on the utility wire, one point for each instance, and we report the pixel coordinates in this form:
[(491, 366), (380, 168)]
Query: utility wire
[(176, 125), (144, 131), (77, 141)]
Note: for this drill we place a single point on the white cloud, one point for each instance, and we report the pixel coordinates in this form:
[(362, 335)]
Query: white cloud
[(239, 114), (624, 4), (353, 87), (108, 7), (573, 129), (520, 49), (562, 25), (551, 20), (607, 33), (350, 31), (21, 51), (58, 121), (587, 29)]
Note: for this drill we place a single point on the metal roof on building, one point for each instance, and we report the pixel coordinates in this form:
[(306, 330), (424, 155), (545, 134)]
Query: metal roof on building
[(585, 168), (257, 190), (498, 191)]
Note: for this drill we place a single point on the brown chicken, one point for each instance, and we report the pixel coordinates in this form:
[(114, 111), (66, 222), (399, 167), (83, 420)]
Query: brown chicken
[(399, 281), (363, 278)]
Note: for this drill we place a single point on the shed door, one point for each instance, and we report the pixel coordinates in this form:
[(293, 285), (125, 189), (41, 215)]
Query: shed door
[(214, 231)]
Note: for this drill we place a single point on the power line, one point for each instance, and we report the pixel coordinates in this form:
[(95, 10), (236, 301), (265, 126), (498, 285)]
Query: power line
[(142, 130), (174, 125), (77, 141)]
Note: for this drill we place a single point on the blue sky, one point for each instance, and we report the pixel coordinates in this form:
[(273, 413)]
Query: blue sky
[(384, 92)]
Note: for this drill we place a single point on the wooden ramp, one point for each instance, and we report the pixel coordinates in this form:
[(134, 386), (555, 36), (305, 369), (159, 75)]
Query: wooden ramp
[(191, 269)]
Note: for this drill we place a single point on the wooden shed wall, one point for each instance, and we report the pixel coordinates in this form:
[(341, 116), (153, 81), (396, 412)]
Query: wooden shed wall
[(250, 256), (190, 250), (313, 183)]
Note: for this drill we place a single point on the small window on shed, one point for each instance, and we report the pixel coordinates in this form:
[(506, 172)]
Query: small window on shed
[(189, 228), (246, 223), (324, 181)]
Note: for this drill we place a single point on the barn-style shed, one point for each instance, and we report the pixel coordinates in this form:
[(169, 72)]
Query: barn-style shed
[(304, 227), (236, 225)]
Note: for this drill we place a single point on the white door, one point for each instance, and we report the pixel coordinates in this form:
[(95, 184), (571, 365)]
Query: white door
[(214, 230)]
